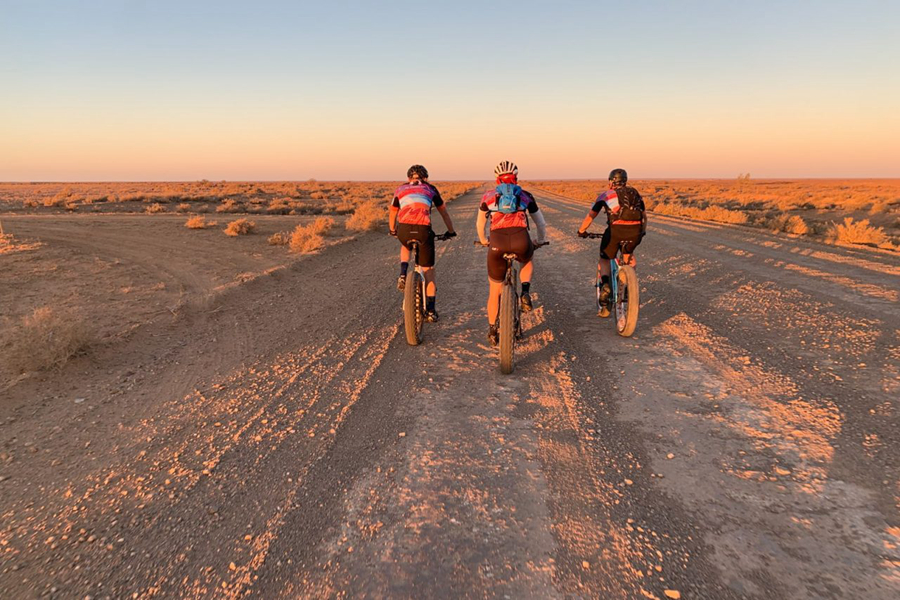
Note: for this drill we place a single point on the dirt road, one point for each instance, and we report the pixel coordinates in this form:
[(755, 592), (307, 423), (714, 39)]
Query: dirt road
[(284, 441)]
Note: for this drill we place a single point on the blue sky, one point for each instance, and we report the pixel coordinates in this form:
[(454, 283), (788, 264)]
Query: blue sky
[(357, 90)]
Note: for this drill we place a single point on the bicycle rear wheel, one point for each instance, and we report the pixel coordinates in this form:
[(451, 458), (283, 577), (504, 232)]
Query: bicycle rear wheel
[(628, 301), (507, 329), (413, 314)]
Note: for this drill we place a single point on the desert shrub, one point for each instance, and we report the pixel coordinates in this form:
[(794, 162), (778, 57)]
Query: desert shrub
[(44, 339), (306, 238), (281, 206), (197, 223), (202, 208), (880, 206), (240, 227), (154, 208), (183, 207), (281, 238), (368, 217), (857, 232), (31, 203), (322, 225), (790, 224), (230, 206)]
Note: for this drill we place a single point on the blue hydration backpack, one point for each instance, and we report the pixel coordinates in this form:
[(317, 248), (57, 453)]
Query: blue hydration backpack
[(508, 202)]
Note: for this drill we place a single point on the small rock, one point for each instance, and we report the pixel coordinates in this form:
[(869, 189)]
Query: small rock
[(232, 566), (670, 456), (628, 482), (79, 400), (585, 564), (402, 434), (673, 594)]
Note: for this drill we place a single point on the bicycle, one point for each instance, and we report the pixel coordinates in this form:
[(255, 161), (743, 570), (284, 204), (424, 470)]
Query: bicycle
[(625, 296), (509, 322), (414, 296)]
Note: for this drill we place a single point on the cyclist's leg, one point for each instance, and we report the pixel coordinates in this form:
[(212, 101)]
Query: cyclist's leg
[(428, 273), (524, 249), (497, 266), (404, 235), (493, 304), (632, 238), (607, 251), (526, 271)]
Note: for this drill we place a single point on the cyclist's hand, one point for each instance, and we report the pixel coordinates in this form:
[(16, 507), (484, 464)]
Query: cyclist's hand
[(394, 232), (450, 234), (582, 234)]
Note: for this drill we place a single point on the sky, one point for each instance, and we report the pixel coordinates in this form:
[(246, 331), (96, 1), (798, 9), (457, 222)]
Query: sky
[(339, 90)]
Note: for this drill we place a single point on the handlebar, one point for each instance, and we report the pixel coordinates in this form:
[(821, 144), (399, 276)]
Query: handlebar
[(445, 236), (591, 235)]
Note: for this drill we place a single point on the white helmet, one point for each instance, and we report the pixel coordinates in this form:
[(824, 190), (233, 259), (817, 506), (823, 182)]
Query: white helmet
[(506, 168)]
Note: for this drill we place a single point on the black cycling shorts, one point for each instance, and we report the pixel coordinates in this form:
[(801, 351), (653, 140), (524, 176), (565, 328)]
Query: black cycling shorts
[(508, 240), (616, 234), (424, 235)]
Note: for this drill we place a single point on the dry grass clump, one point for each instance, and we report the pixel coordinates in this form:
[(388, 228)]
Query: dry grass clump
[(230, 206), (198, 222), (368, 217), (280, 238), (183, 207), (857, 232), (44, 339), (154, 208), (306, 238), (240, 227), (790, 224)]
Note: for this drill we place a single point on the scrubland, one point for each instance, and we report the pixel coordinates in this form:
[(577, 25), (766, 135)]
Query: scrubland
[(864, 211), (84, 263), (270, 198)]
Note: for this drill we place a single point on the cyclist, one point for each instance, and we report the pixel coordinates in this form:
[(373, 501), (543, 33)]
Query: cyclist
[(508, 205), (410, 219), (626, 222)]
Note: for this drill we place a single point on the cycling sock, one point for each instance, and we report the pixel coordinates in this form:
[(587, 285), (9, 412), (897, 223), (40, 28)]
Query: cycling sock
[(604, 279), (526, 287), (404, 267), (429, 303)]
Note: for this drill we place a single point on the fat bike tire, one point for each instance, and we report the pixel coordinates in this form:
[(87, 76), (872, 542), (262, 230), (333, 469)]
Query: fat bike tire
[(413, 313), (507, 329), (628, 302)]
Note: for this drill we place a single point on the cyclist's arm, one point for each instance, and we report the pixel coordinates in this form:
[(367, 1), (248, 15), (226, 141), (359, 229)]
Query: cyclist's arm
[(392, 218), (541, 225), (587, 221), (446, 217), (480, 226)]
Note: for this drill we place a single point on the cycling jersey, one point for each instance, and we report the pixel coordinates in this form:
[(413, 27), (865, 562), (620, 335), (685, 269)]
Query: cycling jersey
[(501, 220), (415, 201), (623, 206)]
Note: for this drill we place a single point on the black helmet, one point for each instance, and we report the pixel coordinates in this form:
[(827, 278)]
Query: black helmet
[(417, 172), (618, 176)]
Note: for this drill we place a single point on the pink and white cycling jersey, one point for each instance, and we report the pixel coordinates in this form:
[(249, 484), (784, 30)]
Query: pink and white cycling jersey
[(501, 220), (415, 201)]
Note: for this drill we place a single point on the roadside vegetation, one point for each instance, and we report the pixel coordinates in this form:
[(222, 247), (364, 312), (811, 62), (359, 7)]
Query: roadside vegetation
[(240, 227), (42, 340), (865, 211), (363, 202)]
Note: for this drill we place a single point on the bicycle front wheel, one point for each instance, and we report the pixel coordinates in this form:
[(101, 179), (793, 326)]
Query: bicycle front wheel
[(507, 329), (413, 314), (628, 301)]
